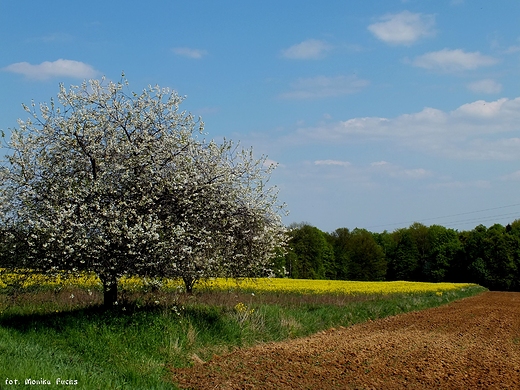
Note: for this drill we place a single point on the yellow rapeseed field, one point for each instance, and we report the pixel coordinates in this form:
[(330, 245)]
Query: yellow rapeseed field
[(258, 285), (308, 286), (84, 280), (34, 279)]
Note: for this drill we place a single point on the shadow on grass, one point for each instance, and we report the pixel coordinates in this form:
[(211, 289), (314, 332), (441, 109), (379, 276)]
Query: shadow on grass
[(129, 314), (57, 321)]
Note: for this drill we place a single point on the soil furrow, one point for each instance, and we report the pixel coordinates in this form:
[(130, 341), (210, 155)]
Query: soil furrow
[(473, 343)]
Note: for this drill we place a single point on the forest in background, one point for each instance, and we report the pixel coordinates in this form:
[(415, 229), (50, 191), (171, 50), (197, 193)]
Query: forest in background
[(486, 256)]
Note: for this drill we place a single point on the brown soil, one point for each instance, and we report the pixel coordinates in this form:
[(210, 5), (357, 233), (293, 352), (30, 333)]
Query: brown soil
[(473, 343)]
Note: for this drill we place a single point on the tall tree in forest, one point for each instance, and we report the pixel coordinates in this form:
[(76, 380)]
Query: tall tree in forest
[(513, 230), (500, 258), (444, 248), (419, 234), (366, 257), (475, 266), (310, 251), (404, 264), (340, 239)]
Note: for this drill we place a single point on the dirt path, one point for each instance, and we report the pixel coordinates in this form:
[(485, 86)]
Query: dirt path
[(473, 343)]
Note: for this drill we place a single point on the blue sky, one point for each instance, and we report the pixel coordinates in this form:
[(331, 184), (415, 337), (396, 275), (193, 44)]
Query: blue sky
[(379, 113)]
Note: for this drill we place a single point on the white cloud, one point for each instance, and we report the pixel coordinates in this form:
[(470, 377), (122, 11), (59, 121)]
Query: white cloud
[(309, 49), (476, 131), (323, 87), (485, 86), (58, 68), (398, 172), (481, 108), (379, 168), (453, 60), (512, 49), (479, 184), (189, 52), (515, 176), (332, 162), (403, 28), (504, 149), (417, 173)]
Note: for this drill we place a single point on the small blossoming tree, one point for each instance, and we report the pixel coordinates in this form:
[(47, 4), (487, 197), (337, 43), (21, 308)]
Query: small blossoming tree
[(125, 184)]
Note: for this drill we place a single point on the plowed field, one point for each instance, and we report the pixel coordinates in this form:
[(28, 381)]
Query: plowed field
[(473, 343)]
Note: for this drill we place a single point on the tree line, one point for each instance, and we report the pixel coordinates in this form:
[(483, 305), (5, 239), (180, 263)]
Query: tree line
[(486, 256)]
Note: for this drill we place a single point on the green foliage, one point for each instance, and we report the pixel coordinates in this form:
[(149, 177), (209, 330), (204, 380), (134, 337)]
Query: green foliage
[(309, 252), (502, 264), (444, 246), (404, 261), (354, 255), (340, 242), (490, 257), (366, 257)]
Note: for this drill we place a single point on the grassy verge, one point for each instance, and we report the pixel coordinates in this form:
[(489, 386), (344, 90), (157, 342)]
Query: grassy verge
[(48, 336)]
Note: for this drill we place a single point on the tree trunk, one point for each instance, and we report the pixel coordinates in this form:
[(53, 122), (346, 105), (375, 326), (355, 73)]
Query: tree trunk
[(189, 281), (109, 290)]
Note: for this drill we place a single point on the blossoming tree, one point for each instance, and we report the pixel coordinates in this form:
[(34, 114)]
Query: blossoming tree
[(122, 183)]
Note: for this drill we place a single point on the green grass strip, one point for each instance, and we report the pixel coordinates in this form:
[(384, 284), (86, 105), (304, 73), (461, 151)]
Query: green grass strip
[(134, 346)]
